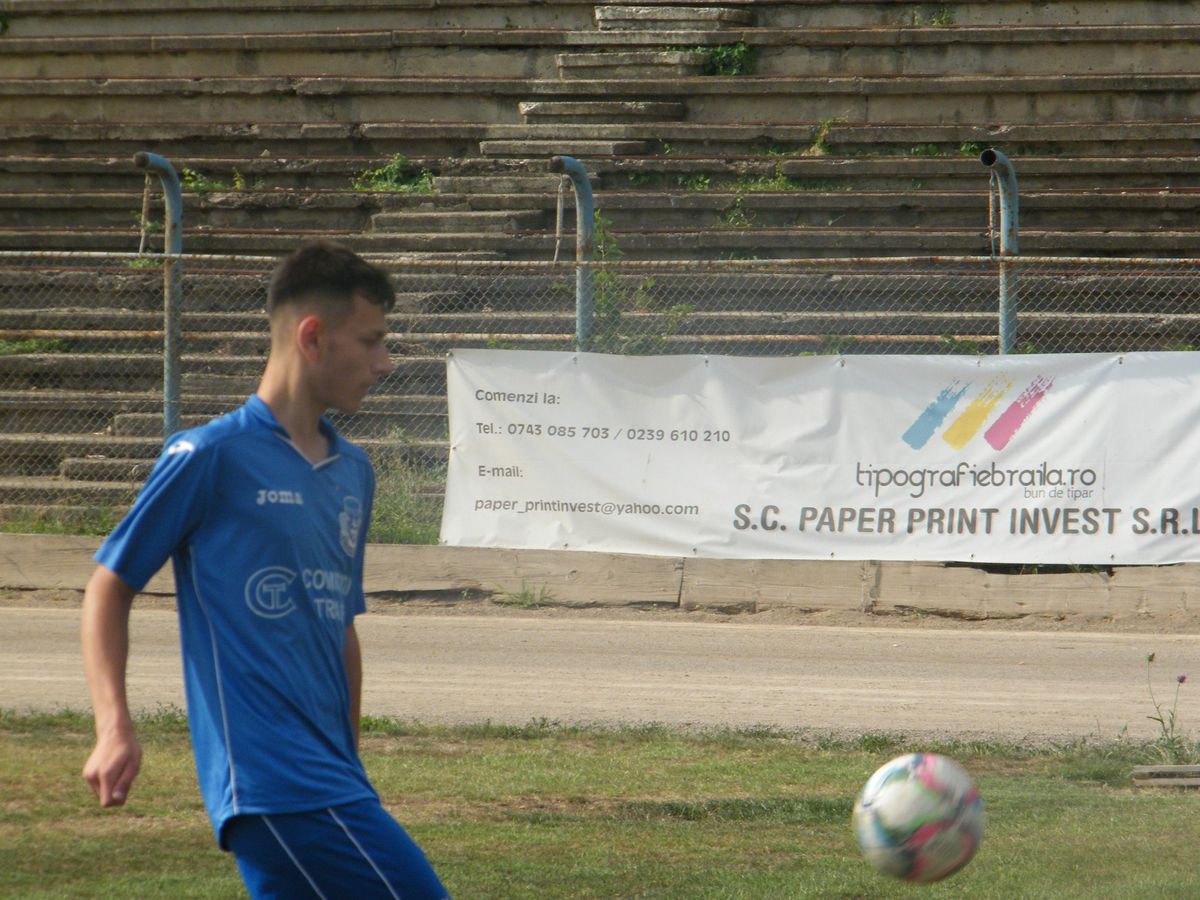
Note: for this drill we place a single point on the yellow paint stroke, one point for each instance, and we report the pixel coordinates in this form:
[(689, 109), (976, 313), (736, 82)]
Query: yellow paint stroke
[(968, 424)]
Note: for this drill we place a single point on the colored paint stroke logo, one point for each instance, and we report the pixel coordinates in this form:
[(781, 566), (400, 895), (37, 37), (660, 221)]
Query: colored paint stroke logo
[(960, 431)]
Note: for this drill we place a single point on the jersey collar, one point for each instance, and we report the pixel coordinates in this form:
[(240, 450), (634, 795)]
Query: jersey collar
[(259, 412)]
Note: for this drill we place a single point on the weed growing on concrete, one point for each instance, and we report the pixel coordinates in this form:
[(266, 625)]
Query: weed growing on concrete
[(526, 597), (728, 59), (642, 179), (629, 318), (143, 262), (778, 181), (736, 216), (960, 346), (398, 175), (698, 182), (820, 144), (199, 183), (942, 17)]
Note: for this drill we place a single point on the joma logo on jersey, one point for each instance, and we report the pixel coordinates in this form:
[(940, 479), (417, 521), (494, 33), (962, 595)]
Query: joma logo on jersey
[(288, 498)]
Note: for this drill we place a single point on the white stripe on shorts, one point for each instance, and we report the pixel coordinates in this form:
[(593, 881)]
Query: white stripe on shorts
[(365, 854), (292, 857)]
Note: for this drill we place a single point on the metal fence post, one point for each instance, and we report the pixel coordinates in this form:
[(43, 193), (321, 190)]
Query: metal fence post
[(1009, 209), (172, 283), (585, 223)]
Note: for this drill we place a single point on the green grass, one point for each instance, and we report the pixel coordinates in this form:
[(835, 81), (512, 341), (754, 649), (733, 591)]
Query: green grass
[(49, 520), (32, 345), (545, 810), (408, 502)]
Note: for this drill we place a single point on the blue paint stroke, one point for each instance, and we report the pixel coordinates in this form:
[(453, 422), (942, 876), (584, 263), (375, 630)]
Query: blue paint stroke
[(920, 431)]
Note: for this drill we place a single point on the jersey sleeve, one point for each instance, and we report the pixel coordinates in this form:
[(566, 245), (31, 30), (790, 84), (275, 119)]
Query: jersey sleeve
[(171, 504)]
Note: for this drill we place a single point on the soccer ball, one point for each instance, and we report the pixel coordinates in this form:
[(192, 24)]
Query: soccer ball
[(919, 817)]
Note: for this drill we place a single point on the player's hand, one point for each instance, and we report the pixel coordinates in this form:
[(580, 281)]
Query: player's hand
[(111, 768)]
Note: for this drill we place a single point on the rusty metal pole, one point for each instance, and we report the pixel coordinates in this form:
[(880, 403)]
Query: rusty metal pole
[(172, 284), (585, 225)]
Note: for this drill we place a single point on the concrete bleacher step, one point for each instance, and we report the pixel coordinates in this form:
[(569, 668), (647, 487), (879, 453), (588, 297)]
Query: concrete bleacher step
[(599, 111), (636, 17), (43, 18), (1079, 49), (512, 185), (631, 64), (34, 18), (523, 148), (686, 202), (329, 108), (143, 371), (1064, 138), (951, 49), (949, 168), (1006, 13), (733, 241), (450, 221), (690, 198)]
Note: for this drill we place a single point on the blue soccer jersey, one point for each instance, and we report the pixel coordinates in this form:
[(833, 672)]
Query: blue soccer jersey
[(268, 559)]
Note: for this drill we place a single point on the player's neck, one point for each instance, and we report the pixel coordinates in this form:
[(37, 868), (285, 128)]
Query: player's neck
[(297, 412)]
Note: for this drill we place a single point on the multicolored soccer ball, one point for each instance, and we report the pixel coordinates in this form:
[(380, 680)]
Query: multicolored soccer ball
[(919, 817)]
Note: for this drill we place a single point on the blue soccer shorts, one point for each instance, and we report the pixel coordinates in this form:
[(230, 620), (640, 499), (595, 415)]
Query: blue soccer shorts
[(355, 850)]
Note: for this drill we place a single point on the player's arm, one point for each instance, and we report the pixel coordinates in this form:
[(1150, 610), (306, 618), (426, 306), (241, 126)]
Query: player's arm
[(104, 634), (354, 674)]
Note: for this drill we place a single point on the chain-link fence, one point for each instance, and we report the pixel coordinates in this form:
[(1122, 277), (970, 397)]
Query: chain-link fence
[(81, 346)]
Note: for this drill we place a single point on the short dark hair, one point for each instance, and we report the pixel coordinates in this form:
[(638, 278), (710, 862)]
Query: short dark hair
[(329, 273)]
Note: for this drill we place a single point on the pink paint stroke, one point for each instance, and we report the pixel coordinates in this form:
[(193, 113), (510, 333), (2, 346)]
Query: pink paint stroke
[(1003, 429)]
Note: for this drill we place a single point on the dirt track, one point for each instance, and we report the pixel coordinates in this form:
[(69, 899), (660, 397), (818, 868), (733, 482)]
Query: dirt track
[(488, 663)]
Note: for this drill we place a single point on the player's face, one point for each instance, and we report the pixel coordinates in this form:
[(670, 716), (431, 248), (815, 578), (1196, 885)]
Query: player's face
[(355, 356)]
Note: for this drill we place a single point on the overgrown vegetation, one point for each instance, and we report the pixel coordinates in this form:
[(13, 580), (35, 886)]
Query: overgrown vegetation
[(398, 175), (629, 317), (541, 809), (1171, 744), (735, 215), (198, 182), (961, 346), (526, 598), (941, 17), (408, 500), (695, 182), (50, 520), (32, 345), (728, 59), (820, 145)]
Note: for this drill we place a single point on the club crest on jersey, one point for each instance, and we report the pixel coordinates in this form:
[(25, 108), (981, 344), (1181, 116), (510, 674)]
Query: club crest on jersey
[(269, 592), (349, 524), (180, 446)]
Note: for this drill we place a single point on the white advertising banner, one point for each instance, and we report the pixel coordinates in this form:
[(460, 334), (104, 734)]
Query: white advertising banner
[(1070, 459)]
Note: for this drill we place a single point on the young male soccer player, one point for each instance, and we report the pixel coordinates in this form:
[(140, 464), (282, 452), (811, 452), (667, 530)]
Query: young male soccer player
[(264, 514)]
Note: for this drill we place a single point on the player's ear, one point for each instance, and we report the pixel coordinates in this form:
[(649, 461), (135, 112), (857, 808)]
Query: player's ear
[(308, 337)]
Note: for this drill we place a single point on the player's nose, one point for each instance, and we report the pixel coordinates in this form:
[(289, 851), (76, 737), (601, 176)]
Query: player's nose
[(383, 365)]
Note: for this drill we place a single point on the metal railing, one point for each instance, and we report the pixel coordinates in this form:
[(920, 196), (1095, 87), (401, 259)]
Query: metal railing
[(101, 354)]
